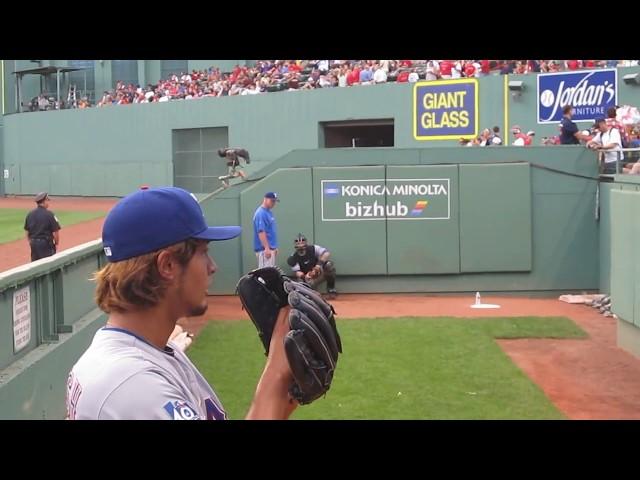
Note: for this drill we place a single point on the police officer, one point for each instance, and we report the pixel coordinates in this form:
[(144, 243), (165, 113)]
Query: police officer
[(42, 228), (311, 264)]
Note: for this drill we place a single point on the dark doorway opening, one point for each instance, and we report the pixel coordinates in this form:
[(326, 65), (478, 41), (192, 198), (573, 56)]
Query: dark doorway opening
[(357, 133)]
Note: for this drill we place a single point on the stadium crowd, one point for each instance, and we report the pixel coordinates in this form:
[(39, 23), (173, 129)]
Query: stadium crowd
[(280, 75), (268, 76)]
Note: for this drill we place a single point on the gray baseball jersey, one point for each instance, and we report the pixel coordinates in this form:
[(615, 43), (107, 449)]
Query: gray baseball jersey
[(123, 377)]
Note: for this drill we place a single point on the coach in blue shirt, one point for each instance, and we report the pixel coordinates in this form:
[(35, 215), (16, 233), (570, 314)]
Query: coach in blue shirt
[(265, 234)]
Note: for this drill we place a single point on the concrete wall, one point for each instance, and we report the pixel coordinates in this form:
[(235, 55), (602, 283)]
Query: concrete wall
[(620, 263), (563, 258), (132, 145), (61, 323)]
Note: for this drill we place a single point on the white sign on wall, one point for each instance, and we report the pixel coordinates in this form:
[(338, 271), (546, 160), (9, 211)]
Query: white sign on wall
[(6, 173), (21, 318), (385, 199)]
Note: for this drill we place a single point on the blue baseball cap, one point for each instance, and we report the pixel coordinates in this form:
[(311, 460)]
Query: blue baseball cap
[(273, 195), (155, 218)]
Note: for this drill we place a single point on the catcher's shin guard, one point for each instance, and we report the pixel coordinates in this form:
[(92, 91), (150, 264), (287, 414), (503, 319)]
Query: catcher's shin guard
[(329, 272)]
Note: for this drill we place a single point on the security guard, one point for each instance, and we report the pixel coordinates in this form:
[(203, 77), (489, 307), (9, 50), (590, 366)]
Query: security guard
[(42, 228)]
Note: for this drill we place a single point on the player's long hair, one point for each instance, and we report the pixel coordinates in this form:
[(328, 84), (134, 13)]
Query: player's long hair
[(136, 284)]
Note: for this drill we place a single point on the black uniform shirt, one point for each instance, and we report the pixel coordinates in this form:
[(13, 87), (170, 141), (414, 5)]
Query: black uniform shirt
[(41, 223)]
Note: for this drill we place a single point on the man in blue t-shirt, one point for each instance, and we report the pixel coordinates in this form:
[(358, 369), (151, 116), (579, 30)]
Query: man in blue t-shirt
[(569, 133), (265, 234)]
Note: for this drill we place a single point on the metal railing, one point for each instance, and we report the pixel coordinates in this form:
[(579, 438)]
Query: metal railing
[(625, 156)]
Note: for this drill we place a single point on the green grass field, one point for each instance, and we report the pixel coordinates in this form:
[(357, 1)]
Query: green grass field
[(401, 368), (12, 221)]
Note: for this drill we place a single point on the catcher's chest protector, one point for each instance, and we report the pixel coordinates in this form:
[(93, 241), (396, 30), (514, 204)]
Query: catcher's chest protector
[(308, 260)]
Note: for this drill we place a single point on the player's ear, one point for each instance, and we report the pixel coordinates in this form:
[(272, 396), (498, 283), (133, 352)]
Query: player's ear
[(167, 265)]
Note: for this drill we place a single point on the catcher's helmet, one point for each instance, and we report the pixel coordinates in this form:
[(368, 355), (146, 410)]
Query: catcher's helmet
[(300, 242)]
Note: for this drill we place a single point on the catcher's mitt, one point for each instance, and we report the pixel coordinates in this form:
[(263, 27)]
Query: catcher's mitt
[(315, 272), (312, 345)]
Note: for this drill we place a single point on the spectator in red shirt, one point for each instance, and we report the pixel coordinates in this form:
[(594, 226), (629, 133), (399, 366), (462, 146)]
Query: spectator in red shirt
[(485, 67), (573, 64), (529, 140), (519, 139), (445, 68), (533, 66), (353, 76), (293, 67), (403, 77), (406, 63), (469, 70)]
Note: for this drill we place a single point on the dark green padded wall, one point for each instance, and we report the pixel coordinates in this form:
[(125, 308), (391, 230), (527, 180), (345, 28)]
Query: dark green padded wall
[(428, 242), (495, 218)]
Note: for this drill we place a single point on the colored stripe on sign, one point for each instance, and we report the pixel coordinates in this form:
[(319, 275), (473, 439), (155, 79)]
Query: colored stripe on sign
[(331, 190), (419, 207)]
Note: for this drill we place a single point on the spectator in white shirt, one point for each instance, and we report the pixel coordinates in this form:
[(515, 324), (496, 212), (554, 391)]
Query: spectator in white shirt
[(379, 75), (342, 77), (456, 71), (323, 66), (607, 140), (431, 71)]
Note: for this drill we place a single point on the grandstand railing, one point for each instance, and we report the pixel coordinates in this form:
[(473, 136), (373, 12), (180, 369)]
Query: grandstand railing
[(626, 155)]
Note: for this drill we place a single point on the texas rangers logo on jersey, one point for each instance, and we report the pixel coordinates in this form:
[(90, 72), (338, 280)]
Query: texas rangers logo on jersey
[(181, 411), (214, 412)]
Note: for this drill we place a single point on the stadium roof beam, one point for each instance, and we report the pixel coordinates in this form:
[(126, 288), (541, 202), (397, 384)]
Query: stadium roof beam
[(43, 71)]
